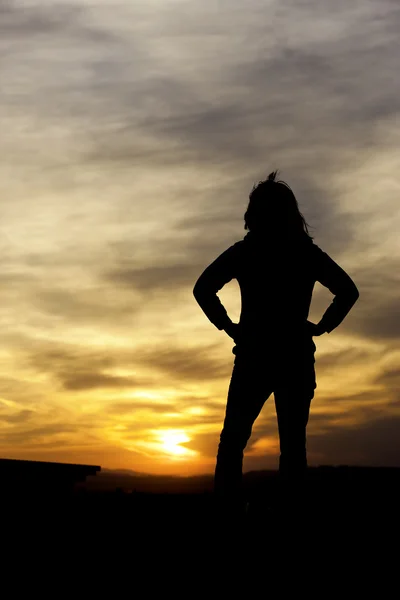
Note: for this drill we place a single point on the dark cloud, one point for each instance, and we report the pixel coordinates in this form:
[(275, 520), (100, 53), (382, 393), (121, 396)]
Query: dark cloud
[(390, 378), (92, 380), (378, 313), (353, 399), (94, 304), (379, 320), (204, 443), (375, 443), (36, 434), (212, 410), (20, 417), (80, 368), (35, 20), (130, 407), (77, 368), (57, 356), (187, 364), (346, 357), (168, 277)]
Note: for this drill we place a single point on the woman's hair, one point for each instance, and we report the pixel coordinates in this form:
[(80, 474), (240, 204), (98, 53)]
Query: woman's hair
[(273, 208)]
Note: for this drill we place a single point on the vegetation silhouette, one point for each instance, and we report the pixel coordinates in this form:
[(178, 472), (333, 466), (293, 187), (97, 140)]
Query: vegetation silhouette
[(276, 265)]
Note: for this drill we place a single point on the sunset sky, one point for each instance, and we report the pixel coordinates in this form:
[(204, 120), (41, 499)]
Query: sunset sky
[(131, 133)]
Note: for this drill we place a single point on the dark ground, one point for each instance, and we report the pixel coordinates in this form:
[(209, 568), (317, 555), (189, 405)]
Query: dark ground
[(344, 521)]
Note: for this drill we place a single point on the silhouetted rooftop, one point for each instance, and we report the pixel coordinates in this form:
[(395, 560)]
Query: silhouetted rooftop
[(47, 474), (25, 466)]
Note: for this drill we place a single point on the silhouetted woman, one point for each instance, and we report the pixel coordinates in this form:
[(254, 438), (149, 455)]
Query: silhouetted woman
[(276, 266)]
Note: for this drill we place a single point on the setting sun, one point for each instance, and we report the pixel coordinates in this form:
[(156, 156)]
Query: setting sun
[(172, 440)]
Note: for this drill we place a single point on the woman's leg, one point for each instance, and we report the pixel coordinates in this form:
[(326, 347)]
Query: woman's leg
[(293, 396), (248, 390), (292, 408)]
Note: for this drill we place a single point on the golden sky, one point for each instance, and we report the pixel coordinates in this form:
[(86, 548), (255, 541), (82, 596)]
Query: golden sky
[(131, 135)]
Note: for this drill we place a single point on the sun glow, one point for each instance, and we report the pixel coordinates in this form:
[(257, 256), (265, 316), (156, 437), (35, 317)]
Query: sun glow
[(172, 439)]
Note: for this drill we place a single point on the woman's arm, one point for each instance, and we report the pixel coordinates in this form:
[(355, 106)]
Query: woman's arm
[(340, 284), (213, 278)]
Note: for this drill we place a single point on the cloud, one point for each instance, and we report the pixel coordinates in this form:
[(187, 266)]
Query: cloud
[(91, 380), (205, 443), (88, 305), (374, 443), (164, 278), (344, 357), (130, 408), (377, 315), (19, 417), (187, 363), (36, 434), (80, 368), (390, 378)]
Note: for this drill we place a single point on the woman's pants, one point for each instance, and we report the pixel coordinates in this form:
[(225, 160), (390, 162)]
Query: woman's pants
[(290, 374)]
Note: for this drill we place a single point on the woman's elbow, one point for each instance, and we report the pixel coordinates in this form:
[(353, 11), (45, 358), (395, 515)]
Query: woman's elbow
[(197, 290), (355, 294)]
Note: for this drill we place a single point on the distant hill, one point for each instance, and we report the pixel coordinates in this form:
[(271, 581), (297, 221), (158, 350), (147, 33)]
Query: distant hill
[(131, 481)]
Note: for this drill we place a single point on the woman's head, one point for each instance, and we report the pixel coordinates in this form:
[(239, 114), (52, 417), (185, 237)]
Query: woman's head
[(273, 210)]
